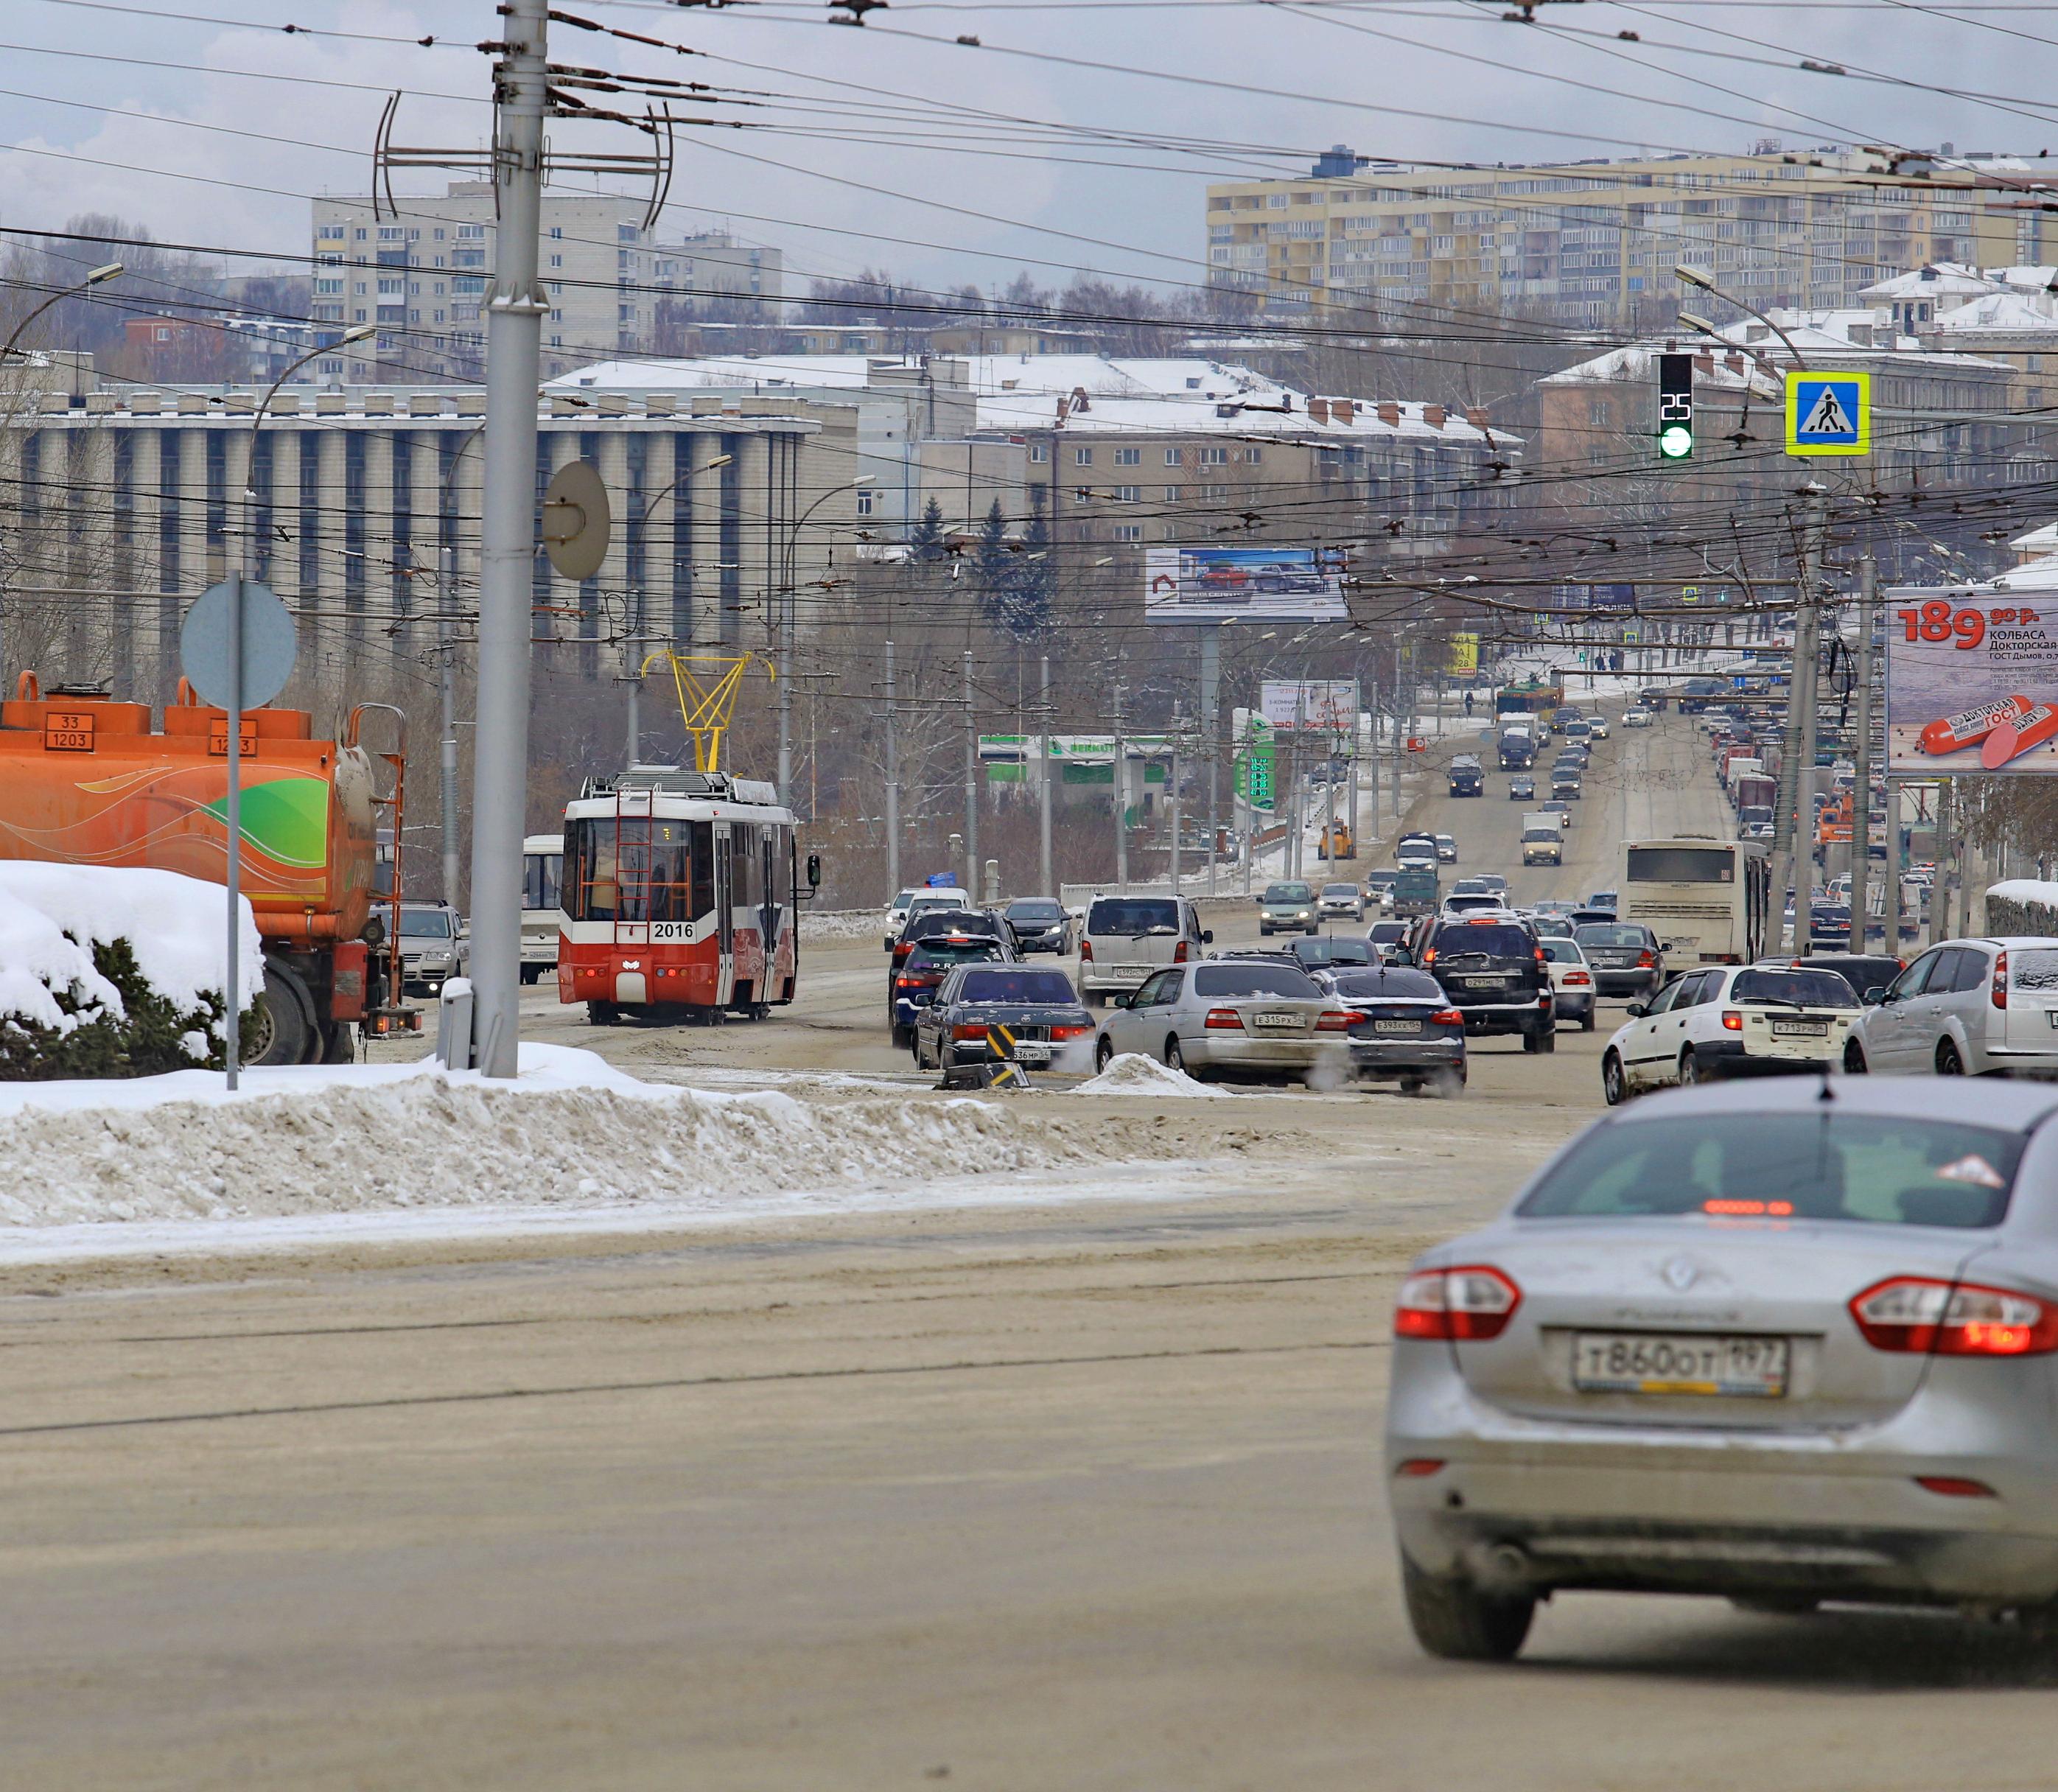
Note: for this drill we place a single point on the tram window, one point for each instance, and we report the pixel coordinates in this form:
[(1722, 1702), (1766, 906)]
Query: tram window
[(670, 870), (594, 891), (702, 869)]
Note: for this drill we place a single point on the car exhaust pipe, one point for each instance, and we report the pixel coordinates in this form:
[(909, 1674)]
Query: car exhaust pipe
[(1505, 1567)]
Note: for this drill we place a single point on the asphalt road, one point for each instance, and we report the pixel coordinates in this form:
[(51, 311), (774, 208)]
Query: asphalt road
[(1082, 1496)]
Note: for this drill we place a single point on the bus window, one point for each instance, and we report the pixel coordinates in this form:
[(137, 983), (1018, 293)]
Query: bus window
[(1682, 864)]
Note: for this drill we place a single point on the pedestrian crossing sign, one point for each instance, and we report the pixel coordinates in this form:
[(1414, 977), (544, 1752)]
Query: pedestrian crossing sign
[(1828, 413)]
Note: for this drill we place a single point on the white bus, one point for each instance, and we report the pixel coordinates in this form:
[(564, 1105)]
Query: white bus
[(542, 873), (1708, 900)]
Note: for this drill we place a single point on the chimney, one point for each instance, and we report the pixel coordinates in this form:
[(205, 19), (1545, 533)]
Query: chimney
[(1389, 414), (1318, 410), (1705, 362), (1433, 414), (1080, 402), (1343, 409), (1734, 361), (1478, 418), (1064, 405)]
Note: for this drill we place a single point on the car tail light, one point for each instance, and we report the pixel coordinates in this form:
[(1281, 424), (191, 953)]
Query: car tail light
[(1956, 1487), (2000, 981), (901, 950), (1448, 1017), (1918, 1314), (970, 1032), (1645, 960), (1419, 1467), (1577, 979), (1470, 1302), (1224, 1020), (1070, 1032), (1732, 1021), (906, 983), (1085, 952), (1429, 957), (1335, 1020), (1179, 953)]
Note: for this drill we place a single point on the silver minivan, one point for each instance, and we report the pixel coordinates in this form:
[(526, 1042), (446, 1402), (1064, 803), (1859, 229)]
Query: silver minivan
[(1965, 1007), (1127, 937)]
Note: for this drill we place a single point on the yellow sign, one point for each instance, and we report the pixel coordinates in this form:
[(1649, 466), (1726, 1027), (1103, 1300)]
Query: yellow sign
[(1464, 653), (1828, 413)]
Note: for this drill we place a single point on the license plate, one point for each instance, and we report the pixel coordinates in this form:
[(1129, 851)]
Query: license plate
[(1396, 1026), (1277, 1022), (1137, 972), (1485, 982), (2051, 1015), (1032, 1051), (1800, 1029), (1680, 1363)]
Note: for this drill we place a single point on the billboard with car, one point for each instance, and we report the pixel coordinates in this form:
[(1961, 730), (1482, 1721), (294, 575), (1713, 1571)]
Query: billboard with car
[(1243, 584), (1972, 681)]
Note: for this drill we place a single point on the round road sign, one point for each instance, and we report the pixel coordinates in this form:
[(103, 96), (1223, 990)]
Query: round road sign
[(270, 642)]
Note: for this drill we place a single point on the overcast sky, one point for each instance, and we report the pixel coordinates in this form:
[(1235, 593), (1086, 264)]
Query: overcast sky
[(896, 152)]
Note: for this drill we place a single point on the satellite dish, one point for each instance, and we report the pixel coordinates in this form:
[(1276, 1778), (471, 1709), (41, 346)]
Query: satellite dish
[(576, 520)]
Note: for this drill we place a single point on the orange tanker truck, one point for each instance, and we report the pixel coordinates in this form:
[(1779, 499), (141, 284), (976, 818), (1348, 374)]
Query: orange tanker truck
[(87, 781)]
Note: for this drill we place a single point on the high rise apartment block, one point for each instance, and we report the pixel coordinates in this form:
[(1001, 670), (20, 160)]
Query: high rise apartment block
[(1593, 243)]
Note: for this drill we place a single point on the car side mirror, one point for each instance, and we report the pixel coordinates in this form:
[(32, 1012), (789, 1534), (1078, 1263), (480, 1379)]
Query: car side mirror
[(1207, 936), (1121, 999), (1638, 1011), (1402, 956)]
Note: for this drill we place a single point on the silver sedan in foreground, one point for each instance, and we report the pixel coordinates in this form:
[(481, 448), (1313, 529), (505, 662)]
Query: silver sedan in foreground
[(1787, 1342), (1248, 1017)]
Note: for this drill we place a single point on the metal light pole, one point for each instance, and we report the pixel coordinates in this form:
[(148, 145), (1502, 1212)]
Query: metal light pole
[(1807, 657), (1121, 811), (1044, 881), (1862, 799), (970, 788), (507, 542), (783, 656), (892, 784)]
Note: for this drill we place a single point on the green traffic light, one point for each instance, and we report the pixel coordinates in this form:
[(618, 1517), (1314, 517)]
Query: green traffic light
[(1675, 442)]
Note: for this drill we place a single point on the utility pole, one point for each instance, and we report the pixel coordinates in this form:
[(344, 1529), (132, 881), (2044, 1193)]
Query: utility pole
[(1940, 891), (892, 784), (1211, 733), (447, 693), (632, 662), (1861, 798), (507, 541), (970, 788), (1121, 813), (1794, 813), (1172, 805), (1806, 668), (1045, 881)]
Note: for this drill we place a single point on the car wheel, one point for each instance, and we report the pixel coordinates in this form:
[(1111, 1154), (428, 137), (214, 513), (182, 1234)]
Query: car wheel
[(1948, 1062), (1854, 1059), (1103, 1052), (1452, 1619), (1587, 1020), (1175, 1058), (1615, 1085), (921, 1057), (1548, 1042), (1531, 1041), (902, 1038), (1690, 1072)]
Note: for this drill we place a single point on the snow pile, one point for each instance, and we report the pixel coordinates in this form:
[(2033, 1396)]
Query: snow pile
[(831, 926), (571, 1130), (1131, 1073), (52, 915), (2022, 905)]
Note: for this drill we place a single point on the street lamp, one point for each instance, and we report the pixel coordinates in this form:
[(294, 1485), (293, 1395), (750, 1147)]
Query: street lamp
[(97, 278), (785, 626), (632, 645), (1696, 277), (356, 334)]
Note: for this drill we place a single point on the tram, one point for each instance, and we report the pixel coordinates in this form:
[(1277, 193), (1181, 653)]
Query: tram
[(680, 896)]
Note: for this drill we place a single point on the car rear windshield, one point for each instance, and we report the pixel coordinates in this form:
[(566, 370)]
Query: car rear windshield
[(1878, 1169), (1017, 986), (1382, 877), (1494, 940), (1384, 933), (1561, 951), (1600, 933), (933, 952), (2037, 969), (1811, 989), (1332, 952), (1289, 892), (1253, 980), (928, 922), (1132, 915), (1396, 985)]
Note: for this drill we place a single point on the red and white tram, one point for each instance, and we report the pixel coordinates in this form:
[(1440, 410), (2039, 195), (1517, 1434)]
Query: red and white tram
[(679, 895)]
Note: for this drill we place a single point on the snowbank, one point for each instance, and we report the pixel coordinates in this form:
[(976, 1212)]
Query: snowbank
[(1131, 1073), (570, 1130), (830, 926), (52, 915), (2022, 905)]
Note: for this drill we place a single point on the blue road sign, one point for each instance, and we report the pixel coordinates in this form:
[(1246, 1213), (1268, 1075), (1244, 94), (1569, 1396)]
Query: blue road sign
[(1828, 413)]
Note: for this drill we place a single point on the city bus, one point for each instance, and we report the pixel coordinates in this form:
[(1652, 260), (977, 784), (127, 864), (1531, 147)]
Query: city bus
[(543, 868), (1708, 900), (679, 895)]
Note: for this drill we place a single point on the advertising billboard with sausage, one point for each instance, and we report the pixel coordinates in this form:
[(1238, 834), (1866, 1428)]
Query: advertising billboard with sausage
[(1971, 682), (1243, 584)]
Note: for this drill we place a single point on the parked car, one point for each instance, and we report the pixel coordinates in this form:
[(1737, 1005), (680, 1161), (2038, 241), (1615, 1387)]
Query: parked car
[(1229, 1016), (1625, 957), (1729, 1020), (1287, 909), (1746, 1343), (1039, 925), (1572, 979), (1037, 1008), (1338, 900), (1492, 967), (1965, 1007), (1522, 788), (1404, 1029), (1127, 938)]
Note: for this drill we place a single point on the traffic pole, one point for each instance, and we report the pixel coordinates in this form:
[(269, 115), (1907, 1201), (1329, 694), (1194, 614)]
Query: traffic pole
[(507, 538), (1044, 881), (232, 820), (1861, 798), (892, 784), (970, 789), (446, 747)]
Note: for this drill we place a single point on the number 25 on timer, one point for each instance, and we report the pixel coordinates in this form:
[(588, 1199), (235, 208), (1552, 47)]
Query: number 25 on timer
[(1937, 620)]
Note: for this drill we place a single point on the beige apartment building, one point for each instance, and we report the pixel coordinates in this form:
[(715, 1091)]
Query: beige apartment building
[(1593, 243)]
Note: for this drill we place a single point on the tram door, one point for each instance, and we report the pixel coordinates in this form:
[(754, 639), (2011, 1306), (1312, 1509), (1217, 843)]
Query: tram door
[(724, 916), (632, 863)]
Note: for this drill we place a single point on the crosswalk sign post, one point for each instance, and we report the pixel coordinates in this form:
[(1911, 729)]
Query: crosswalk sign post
[(1828, 413)]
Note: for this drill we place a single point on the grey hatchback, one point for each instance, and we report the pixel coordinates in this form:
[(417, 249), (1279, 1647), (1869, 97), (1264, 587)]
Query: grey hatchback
[(1784, 1341)]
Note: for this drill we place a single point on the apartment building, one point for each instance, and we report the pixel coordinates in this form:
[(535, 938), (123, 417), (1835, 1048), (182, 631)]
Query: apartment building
[(422, 270), (123, 505), (1593, 243)]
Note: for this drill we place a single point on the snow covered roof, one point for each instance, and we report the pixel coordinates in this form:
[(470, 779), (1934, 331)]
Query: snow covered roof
[(2032, 575), (2041, 540), (1841, 336), (2014, 310), (1125, 395), (1639, 363), (1936, 280)]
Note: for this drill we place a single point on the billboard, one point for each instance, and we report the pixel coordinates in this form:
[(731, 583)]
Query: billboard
[(1464, 654), (1324, 703), (1971, 682), (1243, 584)]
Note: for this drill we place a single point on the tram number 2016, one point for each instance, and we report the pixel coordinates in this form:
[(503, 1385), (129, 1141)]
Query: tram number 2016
[(673, 931)]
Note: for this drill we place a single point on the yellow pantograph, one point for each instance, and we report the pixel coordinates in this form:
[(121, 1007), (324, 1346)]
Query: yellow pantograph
[(707, 685)]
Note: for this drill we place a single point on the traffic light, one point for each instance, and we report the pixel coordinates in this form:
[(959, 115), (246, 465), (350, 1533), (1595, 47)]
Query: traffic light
[(1675, 406)]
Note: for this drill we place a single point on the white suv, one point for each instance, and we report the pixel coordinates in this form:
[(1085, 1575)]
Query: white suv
[(1730, 1020), (1964, 1008), (1127, 937)]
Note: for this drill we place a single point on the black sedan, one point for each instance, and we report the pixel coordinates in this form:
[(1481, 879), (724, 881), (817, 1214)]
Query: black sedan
[(1625, 956), (1403, 1029), (985, 1014), (1039, 925)]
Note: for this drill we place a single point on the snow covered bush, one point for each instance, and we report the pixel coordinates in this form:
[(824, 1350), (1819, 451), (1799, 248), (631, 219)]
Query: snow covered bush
[(108, 971)]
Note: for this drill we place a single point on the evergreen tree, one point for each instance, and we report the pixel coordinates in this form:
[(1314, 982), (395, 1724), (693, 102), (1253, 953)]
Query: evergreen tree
[(1034, 584), (927, 541), (995, 566)]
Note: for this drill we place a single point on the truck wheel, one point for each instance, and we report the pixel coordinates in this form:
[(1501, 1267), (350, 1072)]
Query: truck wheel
[(282, 1030), (338, 1044), (601, 1014), (530, 972)]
